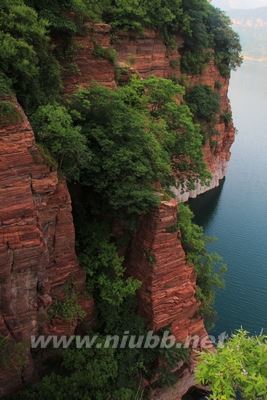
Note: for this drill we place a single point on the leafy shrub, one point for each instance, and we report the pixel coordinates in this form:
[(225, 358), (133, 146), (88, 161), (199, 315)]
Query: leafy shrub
[(54, 128), (226, 42), (109, 54), (236, 369), (174, 64), (134, 134), (9, 115), (5, 85), (208, 28), (194, 62), (150, 257), (106, 274), (13, 355), (25, 56), (47, 157), (68, 308), (227, 117), (218, 85), (65, 17), (209, 266), (203, 102)]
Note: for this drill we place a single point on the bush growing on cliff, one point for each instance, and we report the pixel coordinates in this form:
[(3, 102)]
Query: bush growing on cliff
[(9, 115), (54, 128), (66, 17), (226, 42), (203, 102), (68, 308), (238, 368), (25, 56), (209, 266), (135, 135), (193, 62), (105, 271)]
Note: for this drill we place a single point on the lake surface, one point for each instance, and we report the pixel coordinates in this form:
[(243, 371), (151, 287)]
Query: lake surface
[(236, 213)]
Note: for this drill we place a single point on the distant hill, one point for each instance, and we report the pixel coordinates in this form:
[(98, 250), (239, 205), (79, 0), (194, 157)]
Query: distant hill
[(241, 4), (252, 28)]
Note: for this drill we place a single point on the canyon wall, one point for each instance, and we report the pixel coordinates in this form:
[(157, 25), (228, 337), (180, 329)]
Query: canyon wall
[(37, 252)]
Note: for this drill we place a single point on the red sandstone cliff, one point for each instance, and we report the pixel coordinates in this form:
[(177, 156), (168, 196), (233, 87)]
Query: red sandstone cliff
[(147, 55), (37, 253), (157, 258), (167, 297)]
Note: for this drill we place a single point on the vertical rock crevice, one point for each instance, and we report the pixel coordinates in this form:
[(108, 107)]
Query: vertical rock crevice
[(37, 242)]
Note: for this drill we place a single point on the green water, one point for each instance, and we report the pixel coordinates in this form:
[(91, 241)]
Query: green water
[(236, 213)]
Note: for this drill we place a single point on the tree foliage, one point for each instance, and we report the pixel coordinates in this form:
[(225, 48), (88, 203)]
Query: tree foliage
[(119, 143), (55, 129), (238, 368), (203, 102), (25, 56)]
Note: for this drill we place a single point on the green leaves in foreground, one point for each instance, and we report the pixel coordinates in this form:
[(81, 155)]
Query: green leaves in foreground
[(239, 367)]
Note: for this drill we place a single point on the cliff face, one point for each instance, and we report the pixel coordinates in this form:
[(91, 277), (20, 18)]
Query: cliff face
[(167, 297), (148, 55), (216, 155), (145, 56), (37, 253), (157, 258)]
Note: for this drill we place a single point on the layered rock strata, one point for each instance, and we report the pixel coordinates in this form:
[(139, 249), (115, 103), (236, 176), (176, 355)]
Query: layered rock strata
[(157, 258), (167, 297), (37, 252), (147, 55), (216, 151)]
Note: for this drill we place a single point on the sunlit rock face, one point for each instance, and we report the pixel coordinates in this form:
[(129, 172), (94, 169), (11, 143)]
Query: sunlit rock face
[(37, 245)]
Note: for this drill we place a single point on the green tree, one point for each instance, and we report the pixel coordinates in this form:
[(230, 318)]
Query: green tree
[(226, 42), (239, 367), (54, 128), (203, 102), (106, 273), (66, 16), (127, 159), (25, 56)]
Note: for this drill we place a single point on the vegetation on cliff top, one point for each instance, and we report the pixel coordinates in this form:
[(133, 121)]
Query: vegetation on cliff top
[(30, 61), (119, 143)]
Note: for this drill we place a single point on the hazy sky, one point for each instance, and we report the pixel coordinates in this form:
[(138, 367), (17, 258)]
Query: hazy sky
[(240, 3)]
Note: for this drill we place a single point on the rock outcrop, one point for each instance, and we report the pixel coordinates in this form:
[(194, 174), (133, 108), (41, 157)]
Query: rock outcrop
[(217, 151), (37, 251), (157, 258), (167, 297), (144, 55), (147, 55)]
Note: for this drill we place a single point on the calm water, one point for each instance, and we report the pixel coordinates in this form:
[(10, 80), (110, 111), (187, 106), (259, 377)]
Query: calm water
[(237, 213)]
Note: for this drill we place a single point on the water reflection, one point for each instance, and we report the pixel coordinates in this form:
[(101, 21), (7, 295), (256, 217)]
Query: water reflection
[(205, 206)]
